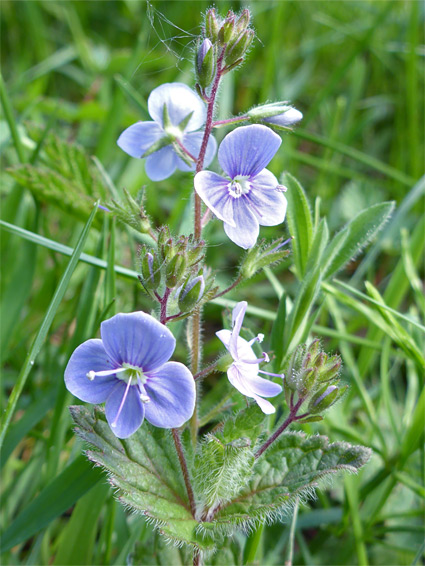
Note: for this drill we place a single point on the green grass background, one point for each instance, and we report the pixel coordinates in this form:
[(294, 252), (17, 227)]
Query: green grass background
[(83, 71)]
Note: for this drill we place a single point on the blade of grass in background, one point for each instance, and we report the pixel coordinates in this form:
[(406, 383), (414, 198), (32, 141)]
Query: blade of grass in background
[(44, 328)]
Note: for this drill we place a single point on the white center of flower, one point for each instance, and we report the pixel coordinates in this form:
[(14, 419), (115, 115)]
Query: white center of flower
[(173, 132), (239, 186), (132, 373)]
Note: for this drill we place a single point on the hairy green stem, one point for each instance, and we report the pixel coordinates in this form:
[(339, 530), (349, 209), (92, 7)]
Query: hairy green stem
[(183, 465), (196, 319), (206, 371), (230, 287)]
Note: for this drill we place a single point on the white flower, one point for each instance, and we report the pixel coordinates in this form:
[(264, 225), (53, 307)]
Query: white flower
[(243, 372)]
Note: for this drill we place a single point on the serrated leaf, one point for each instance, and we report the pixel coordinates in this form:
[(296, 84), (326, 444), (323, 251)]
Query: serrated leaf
[(291, 467), (145, 471), (300, 223), (354, 237)]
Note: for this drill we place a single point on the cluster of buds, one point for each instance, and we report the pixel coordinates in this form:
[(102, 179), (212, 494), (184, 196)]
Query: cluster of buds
[(232, 34), (279, 115), (176, 264), (314, 376), (263, 255)]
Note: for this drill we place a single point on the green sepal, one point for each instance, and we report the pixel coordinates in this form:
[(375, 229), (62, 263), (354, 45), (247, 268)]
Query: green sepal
[(156, 146)]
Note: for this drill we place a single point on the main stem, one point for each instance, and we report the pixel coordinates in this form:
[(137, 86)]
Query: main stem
[(183, 465), (196, 319)]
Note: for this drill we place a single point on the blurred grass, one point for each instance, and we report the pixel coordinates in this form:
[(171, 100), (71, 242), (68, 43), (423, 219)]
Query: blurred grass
[(85, 70)]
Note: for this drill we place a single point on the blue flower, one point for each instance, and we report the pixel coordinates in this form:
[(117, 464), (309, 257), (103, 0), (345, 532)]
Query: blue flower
[(177, 112), (129, 370), (250, 195), (243, 372)]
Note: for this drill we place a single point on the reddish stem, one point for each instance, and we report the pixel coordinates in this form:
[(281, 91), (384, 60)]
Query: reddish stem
[(207, 132), (163, 301), (291, 418)]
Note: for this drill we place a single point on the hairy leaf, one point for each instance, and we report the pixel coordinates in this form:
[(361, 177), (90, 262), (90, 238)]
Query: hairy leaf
[(292, 466), (145, 471)]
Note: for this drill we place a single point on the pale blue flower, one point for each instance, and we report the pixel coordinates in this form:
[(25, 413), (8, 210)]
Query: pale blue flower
[(129, 370), (243, 372), (250, 195), (184, 114)]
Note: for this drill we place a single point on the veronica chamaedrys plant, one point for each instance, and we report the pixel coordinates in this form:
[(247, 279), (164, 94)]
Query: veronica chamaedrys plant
[(243, 371), (177, 113), (276, 113), (129, 369), (250, 195)]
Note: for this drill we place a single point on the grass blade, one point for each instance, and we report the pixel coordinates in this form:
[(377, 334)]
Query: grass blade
[(44, 328)]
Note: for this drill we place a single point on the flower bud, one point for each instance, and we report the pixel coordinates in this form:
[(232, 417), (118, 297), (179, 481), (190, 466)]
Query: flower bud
[(277, 113), (175, 270), (243, 20), (169, 249), (211, 25), (196, 253), (324, 398), (237, 49), (227, 29), (191, 293), (205, 64), (151, 272)]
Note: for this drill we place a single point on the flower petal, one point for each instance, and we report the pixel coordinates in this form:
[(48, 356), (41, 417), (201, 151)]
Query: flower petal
[(192, 142), (266, 201), (90, 356), (181, 101), (264, 405), (137, 339), (131, 414), (246, 229), (172, 393), (238, 315), (247, 150), (213, 190), (256, 384), (161, 164), (139, 137)]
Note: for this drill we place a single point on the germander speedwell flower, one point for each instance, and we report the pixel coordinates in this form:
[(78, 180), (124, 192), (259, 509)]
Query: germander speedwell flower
[(177, 112), (129, 369), (250, 195), (243, 372)]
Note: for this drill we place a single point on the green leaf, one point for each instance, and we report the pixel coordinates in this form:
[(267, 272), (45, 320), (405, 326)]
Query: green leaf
[(55, 499), (291, 467), (354, 237), (145, 472), (300, 223)]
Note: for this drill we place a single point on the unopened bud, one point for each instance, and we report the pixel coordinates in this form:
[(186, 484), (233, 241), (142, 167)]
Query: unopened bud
[(227, 29), (330, 370), (191, 293), (259, 257), (205, 64), (243, 20), (151, 273), (211, 25), (168, 249), (175, 270), (324, 398), (277, 114), (306, 381), (237, 49)]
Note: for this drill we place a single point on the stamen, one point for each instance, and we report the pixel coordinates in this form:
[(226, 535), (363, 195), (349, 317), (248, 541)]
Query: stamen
[(144, 398), (92, 374), (265, 358), (127, 389), (258, 338), (272, 374)]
